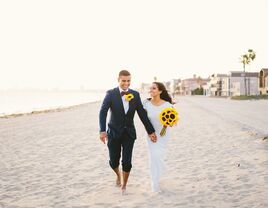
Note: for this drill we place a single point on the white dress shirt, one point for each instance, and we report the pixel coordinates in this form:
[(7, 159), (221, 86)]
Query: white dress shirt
[(125, 102)]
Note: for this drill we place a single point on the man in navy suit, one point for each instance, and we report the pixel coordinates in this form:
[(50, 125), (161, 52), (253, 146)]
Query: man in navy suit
[(121, 133)]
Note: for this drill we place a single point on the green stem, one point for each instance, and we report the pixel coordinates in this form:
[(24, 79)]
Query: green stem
[(163, 131)]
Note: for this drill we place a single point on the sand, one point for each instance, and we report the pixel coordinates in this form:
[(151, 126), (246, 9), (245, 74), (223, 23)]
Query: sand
[(217, 157)]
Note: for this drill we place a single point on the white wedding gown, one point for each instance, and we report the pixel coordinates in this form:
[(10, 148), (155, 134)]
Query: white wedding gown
[(156, 150)]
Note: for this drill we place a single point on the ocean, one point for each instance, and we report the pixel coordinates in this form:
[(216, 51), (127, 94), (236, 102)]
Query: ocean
[(15, 102)]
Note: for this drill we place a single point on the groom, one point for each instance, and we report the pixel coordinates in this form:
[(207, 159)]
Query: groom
[(121, 133)]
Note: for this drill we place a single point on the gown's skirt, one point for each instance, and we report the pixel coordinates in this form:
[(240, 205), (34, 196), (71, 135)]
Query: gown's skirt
[(156, 155)]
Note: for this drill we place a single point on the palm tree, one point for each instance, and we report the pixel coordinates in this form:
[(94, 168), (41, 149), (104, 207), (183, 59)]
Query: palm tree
[(246, 59), (251, 56)]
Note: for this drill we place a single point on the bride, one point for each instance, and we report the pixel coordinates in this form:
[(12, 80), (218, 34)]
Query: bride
[(160, 99)]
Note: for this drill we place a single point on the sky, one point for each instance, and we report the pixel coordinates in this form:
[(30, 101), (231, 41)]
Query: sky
[(69, 44)]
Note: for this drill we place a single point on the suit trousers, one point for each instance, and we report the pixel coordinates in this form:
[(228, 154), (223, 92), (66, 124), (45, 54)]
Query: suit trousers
[(115, 145)]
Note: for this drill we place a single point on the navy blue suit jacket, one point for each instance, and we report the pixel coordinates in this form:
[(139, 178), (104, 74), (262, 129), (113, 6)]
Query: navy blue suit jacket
[(119, 121)]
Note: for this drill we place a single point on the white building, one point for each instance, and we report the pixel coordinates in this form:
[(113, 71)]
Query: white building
[(207, 90), (237, 83), (217, 85), (233, 84), (174, 86)]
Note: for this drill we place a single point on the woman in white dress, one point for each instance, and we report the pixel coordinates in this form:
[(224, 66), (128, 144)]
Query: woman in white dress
[(160, 99)]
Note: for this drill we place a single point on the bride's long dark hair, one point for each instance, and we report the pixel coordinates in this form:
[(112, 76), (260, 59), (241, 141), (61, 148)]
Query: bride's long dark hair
[(164, 94)]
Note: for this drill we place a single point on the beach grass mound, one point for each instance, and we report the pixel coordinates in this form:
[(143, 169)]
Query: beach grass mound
[(249, 97)]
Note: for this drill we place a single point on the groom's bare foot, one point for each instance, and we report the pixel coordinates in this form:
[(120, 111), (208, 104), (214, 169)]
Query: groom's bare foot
[(118, 182), (118, 177), (124, 190)]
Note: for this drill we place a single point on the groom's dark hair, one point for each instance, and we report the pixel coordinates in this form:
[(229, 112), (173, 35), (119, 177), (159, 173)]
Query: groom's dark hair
[(124, 73)]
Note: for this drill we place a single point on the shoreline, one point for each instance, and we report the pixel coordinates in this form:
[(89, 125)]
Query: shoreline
[(59, 109), (51, 110)]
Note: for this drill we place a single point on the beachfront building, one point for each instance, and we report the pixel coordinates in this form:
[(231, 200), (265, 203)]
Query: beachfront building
[(207, 91), (263, 82), (218, 85), (174, 86), (232, 84), (186, 86), (237, 83)]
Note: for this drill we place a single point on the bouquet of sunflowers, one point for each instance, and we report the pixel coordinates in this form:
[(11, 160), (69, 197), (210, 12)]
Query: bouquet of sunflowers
[(168, 117)]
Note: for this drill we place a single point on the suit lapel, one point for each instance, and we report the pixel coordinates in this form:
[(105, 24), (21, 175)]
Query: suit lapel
[(130, 102)]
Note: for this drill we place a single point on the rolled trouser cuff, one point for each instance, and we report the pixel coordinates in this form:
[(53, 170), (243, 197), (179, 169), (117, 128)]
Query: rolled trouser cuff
[(113, 165), (126, 167)]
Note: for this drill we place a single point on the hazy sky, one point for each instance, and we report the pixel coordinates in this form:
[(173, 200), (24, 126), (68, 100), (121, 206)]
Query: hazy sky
[(67, 44)]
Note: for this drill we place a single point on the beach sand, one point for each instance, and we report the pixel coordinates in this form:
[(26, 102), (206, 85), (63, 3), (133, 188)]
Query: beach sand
[(217, 157)]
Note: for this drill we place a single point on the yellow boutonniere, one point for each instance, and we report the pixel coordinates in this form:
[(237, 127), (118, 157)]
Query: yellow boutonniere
[(168, 117), (129, 97)]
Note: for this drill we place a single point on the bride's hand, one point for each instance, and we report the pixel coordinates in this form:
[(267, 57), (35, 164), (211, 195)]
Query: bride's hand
[(153, 137)]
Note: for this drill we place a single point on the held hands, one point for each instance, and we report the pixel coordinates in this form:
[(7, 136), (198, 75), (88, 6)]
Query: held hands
[(103, 137), (153, 137)]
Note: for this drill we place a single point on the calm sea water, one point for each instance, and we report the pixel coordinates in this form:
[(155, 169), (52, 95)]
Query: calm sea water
[(12, 102)]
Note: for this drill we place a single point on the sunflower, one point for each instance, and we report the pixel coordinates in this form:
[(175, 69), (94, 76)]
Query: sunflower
[(129, 97), (168, 117)]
